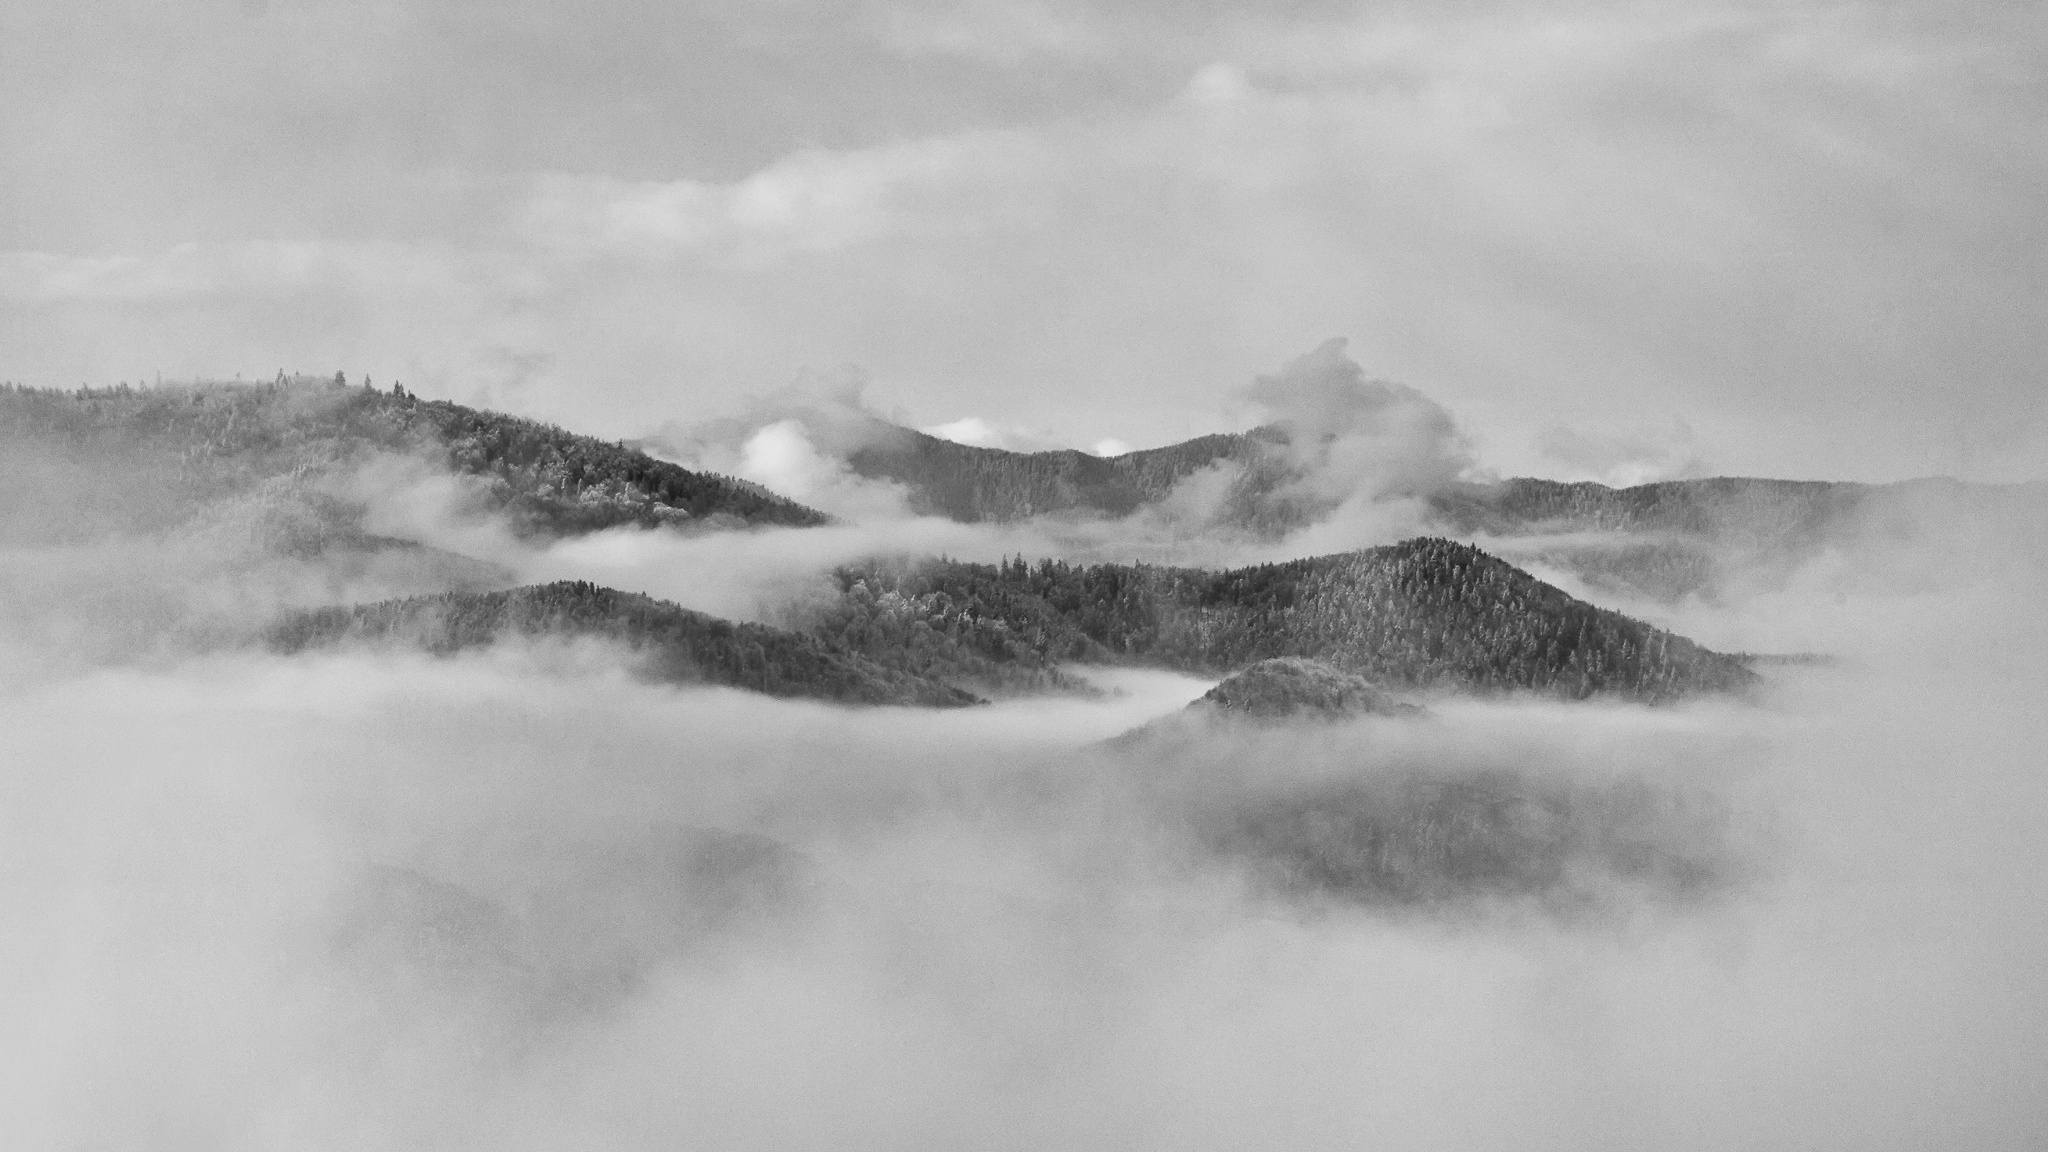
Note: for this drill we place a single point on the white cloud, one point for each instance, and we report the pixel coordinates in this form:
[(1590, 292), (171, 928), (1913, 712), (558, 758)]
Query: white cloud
[(1219, 83), (1005, 31), (1624, 458), (194, 270), (979, 433), (1537, 217), (816, 200)]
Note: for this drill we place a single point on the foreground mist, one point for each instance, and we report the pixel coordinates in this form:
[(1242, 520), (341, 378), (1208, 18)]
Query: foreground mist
[(522, 901)]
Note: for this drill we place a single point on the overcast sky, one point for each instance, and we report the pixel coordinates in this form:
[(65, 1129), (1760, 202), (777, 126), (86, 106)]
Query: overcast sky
[(1789, 239)]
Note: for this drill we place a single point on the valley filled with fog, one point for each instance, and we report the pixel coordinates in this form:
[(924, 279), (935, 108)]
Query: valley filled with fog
[(521, 896)]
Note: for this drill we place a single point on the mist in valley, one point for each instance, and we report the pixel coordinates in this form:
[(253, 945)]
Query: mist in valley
[(521, 898)]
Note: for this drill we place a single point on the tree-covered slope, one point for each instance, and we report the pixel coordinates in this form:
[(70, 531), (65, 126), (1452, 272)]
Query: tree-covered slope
[(676, 645), (209, 440), (1428, 612)]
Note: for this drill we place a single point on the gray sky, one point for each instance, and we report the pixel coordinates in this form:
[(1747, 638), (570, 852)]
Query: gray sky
[(1619, 241)]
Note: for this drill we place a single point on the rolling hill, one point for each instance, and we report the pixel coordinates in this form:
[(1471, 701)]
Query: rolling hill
[(675, 644)]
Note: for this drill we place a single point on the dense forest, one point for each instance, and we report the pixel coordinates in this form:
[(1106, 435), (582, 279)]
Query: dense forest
[(1428, 612), (211, 440), (675, 644)]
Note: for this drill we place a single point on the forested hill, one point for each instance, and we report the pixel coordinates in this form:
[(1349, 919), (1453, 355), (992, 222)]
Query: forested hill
[(1292, 686), (962, 482), (1428, 612), (219, 439), (676, 644)]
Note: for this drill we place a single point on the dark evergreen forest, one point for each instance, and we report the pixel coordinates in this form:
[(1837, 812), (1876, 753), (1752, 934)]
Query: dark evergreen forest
[(1425, 613), (1420, 615)]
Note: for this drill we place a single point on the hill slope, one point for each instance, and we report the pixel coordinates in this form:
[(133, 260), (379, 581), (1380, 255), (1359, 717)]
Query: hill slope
[(207, 441), (1428, 612), (678, 645)]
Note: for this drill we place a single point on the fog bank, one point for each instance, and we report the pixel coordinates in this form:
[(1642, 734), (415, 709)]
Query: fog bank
[(975, 928)]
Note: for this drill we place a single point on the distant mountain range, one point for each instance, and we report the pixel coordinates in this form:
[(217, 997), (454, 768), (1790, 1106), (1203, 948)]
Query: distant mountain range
[(1661, 541)]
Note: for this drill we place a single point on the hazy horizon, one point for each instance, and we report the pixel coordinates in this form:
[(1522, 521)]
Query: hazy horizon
[(1793, 240)]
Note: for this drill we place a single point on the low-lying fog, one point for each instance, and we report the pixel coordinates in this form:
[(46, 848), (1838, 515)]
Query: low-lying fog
[(521, 900)]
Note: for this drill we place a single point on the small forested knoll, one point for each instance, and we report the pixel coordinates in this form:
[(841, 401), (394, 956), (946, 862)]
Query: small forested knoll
[(1428, 612), (1286, 690), (210, 440), (676, 645), (1290, 686)]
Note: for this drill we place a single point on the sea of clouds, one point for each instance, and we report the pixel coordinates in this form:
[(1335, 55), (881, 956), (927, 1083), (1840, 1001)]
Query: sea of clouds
[(522, 900)]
